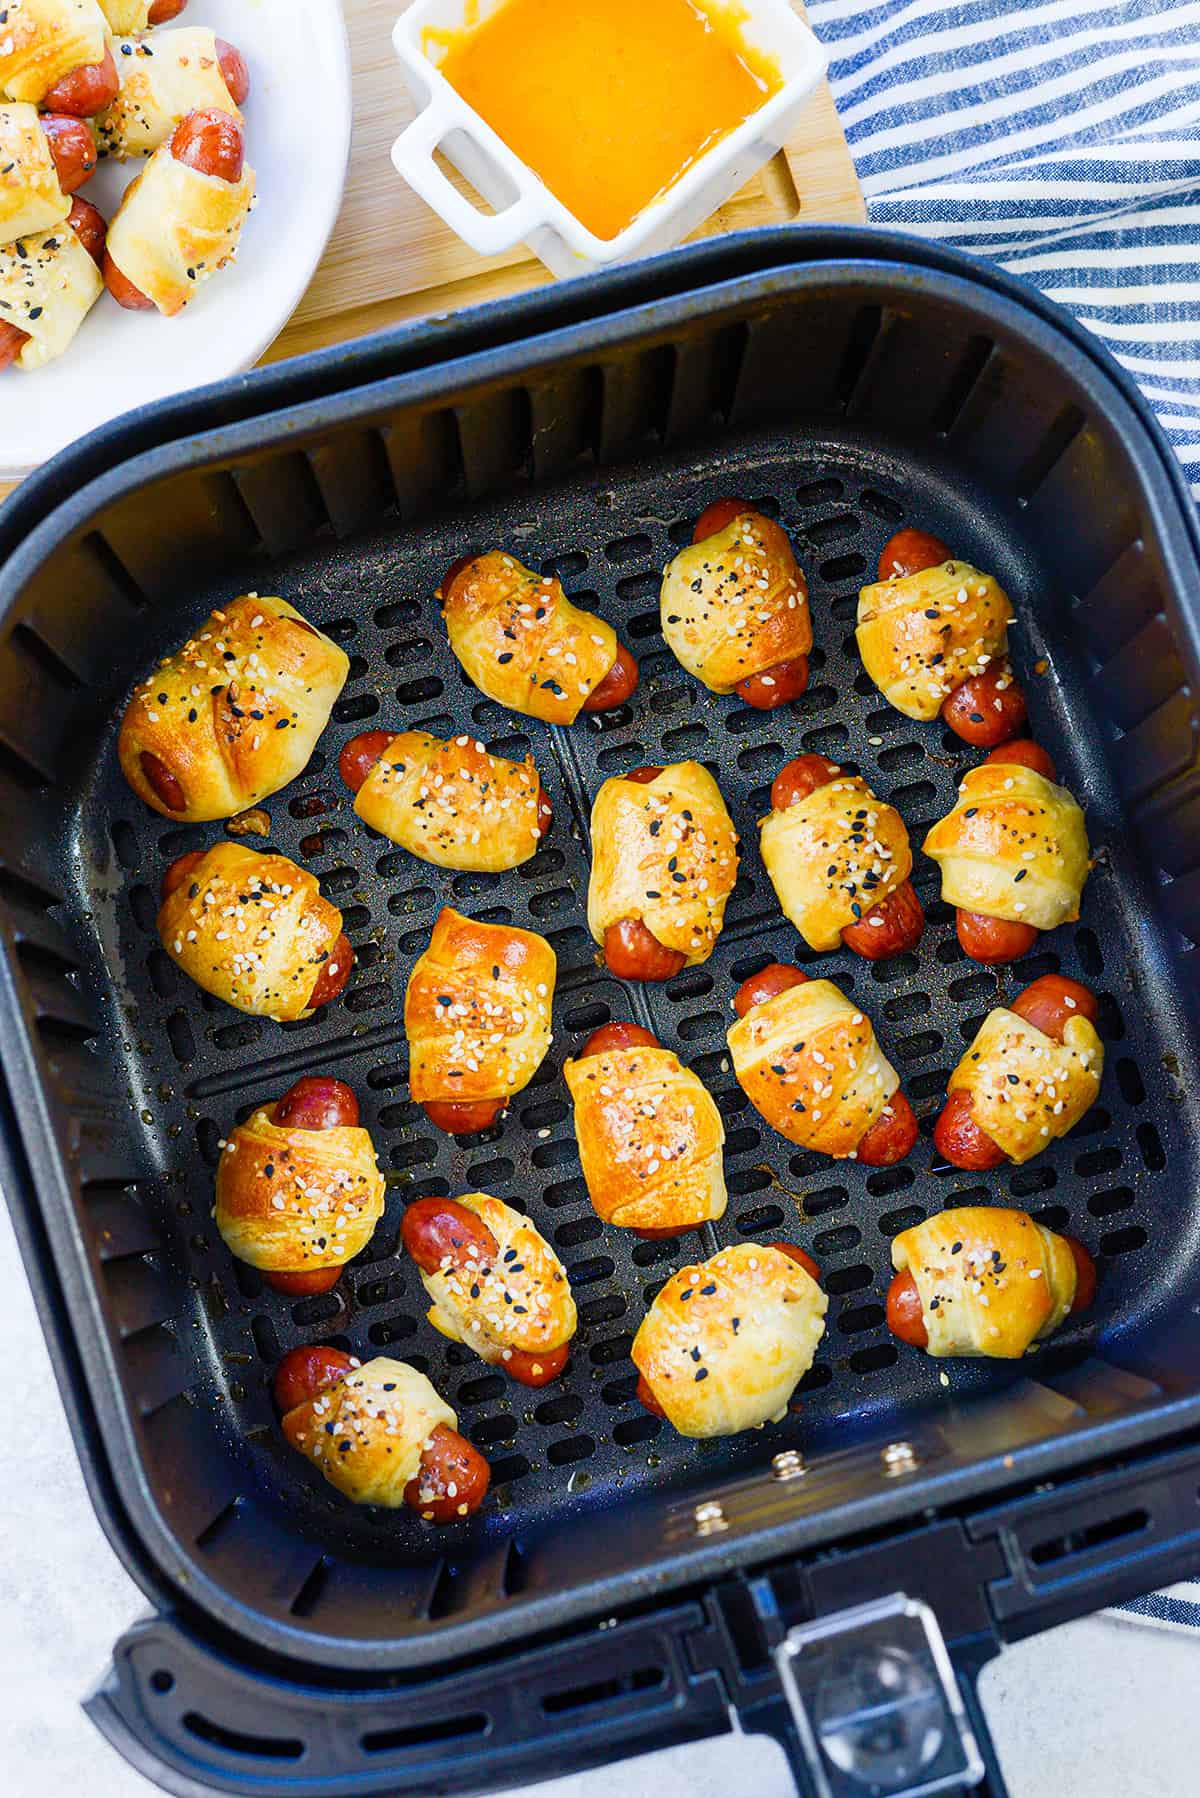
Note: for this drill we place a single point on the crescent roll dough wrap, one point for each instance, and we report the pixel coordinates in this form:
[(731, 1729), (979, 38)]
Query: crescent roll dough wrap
[(290, 1200), (650, 1139), (43, 40), (663, 852), (1026, 1089), (452, 803), (521, 640), (477, 1010), (365, 1433), (922, 635), (1014, 847), (809, 1063), (162, 80), (31, 198), (251, 929), (726, 1341), (176, 227), (736, 603), (522, 1301), (833, 857), (127, 16), (48, 285), (235, 713), (991, 1282)]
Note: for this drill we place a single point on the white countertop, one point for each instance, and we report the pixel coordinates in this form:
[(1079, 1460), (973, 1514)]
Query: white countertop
[(1100, 1707)]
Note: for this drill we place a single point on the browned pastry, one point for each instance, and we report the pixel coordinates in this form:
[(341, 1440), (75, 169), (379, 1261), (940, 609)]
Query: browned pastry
[(253, 930), (725, 1342), (234, 714), (477, 1013)]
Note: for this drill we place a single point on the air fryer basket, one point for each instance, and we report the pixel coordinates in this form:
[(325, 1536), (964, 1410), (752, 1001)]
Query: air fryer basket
[(845, 398)]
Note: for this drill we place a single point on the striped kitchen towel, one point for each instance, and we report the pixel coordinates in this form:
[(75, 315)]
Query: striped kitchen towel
[(1060, 138)]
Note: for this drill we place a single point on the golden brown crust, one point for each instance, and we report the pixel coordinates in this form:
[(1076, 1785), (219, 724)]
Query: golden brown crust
[(1014, 847), (650, 1139), (922, 635), (48, 285), (477, 1010), (235, 713), (290, 1200), (43, 40), (251, 929), (736, 603), (382, 1414), (127, 16), (453, 804), (1026, 1089), (834, 856), (31, 198), (726, 1341), (162, 80), (176, 227), (809, 1063), (521, 1301), (663, 852), (522, 641), (991, 1281)]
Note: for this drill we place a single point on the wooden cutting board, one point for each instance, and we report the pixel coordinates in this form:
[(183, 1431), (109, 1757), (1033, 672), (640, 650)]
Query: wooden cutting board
[(391, 258)]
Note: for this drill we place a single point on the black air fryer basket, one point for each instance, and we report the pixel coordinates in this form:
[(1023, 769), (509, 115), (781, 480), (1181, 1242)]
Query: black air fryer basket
[(624, 1588)]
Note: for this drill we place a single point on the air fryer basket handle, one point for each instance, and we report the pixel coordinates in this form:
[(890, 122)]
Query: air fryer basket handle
[(195, 1721)]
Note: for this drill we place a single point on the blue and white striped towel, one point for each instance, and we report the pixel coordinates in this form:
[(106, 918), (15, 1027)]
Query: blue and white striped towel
[(1061, 139)]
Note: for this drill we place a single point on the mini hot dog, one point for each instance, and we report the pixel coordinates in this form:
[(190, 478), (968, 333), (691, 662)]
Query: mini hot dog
[(839, 860), (48, 286), (664, 862), (477, 1014), (380, 1433), (725, 1342), (810, 1064), (1028, 1077), (44, 158), (526, 646), (165, 78), (54, 54), (450, 803), (735, 607), (299, 1191), (234, 713), (181, 218), (253, 930), (649, 1133), (495, 1282), (1013, 853), (982, 1280), (933, 635)]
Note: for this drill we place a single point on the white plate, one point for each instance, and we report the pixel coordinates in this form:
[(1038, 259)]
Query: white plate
[(298, 121)]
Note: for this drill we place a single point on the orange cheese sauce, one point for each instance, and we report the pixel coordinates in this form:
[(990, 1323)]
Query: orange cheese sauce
[(609, 102)]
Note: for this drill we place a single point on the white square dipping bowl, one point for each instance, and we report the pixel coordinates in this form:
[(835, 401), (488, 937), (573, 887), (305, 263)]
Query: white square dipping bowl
[(525, 211)]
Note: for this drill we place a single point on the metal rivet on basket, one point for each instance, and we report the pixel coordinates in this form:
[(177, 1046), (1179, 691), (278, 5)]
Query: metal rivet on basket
[(899, 1457), (710, 1518), (789, 1465)]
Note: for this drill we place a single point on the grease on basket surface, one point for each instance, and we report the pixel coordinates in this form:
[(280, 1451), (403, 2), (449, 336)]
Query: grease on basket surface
[(609, 102)]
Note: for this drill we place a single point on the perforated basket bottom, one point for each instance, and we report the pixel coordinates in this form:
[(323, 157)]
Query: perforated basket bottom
[(195, 1066)]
